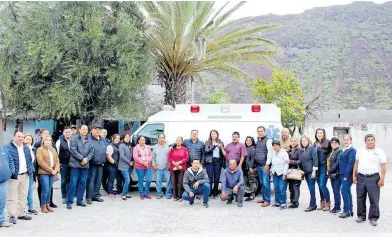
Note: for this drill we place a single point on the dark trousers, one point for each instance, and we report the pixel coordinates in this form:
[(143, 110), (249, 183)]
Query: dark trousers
[(336, 184), (322, 179), (112, 172), (214, 171), (346, 194), (78, 179), (312, 188), (119, 181), (105, 175), (64, 172), (176, 177), (94, 180), (39, 191), (368, 186), (294, 187)]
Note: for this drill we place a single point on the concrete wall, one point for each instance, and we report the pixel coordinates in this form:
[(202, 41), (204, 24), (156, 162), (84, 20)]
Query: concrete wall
[(382, 132)]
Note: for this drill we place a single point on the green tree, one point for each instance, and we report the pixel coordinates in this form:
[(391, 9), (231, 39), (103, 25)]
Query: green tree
[(284, 91), (193, 37), (75, 59), (219, 98)]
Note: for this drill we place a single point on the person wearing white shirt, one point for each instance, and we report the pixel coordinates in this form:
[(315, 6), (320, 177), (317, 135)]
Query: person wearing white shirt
[(370, 162), (280, 166)]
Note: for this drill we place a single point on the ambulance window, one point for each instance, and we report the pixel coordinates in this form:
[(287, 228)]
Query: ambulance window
[(151, 132)]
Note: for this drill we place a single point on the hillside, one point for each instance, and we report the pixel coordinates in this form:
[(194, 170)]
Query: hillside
[(345, 51)]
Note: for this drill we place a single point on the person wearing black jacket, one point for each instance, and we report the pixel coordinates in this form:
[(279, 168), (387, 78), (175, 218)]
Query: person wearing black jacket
[(62, 146), (323, 147), (308, 162), (250, 169), (112, 156), (94, 178), (294, 185), (213, 161), (333, 174)]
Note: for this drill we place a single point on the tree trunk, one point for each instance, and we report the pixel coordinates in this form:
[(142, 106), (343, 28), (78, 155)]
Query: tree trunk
[(175, 91)]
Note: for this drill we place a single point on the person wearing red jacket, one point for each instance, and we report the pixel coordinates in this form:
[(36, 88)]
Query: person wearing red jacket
[(178, 159), (143, 158)]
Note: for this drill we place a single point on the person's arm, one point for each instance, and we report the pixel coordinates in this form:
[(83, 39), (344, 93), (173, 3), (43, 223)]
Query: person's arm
[(185, 183), (57, 162), (335, 166), (270, 152), (223, 182), (58, 147), (136, 157), (251, 157), (109, 153), (11, 163), (224, 152), (73, 148), (244, 152), (313, 154), (90, 153), (41, 162), (149, 155), (154, 157), (241, 182), (286, 165), (350, 166), (202, 150), (186, 157), (27, 153), (355, 170), (170, 157), (383, 163), (205, 178), (209, 148)]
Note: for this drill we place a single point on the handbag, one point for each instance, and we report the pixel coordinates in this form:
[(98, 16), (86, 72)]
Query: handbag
[(295, 174)]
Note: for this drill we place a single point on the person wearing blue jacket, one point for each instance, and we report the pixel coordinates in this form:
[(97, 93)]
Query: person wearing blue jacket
[(7, 168), (346, 166), (18, 185)]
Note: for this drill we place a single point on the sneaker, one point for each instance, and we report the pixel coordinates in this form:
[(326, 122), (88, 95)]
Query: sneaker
[(25, 218), (81, 204), (240, 204), (373, 222), (168, 197), (276, 205), (205, 205), (124, 198), (89, 201), (148, 197), (142, 197), (34, 212), (335, 211), (69, 207), (12, 220), (309, 209), (128, 196), (111, 195), (359, 220), (97, 200), (283, 207), (159, 197), (5, 225)]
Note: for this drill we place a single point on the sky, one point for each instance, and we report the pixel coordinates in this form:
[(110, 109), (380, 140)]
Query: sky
[(282, 7)]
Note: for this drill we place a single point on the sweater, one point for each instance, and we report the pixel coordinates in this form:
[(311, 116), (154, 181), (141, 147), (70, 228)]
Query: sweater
[(177, 155), (160, 156), (279, 165), (43, 160), (80, 148), (124, 162), (140, 159), (232, 179)]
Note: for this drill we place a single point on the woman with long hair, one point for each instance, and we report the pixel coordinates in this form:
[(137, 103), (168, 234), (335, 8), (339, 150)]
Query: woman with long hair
[(323, 147), (48, 166), (213, 161), (294, 185), (178, 160), (112, 157), (308, 162), (125, 164), (29, 141), (346, 166), (250, 171), (143, 159), (333, 173)]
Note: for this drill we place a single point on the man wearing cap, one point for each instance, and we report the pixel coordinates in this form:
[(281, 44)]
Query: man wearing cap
[(82, 152), (279, 168), (369, 163), (96, 163)]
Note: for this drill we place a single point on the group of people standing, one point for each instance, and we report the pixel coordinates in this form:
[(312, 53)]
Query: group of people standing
[(191, 169)]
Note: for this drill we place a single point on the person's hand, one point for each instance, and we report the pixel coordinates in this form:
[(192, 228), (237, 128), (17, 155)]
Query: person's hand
[(284, 177), (271, 174), (84, 161), (191, 194), (266, 169), (131, 163), (196, 185), (380, 183), (145, 163), (251, 170), (154, 167), (345, 179), (223, 195), (235, 189), (111, 161), (355, 180), (54, 172), (219, 145), (313, 174)]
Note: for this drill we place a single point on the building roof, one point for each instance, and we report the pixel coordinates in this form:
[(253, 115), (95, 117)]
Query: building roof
[(354, 116)]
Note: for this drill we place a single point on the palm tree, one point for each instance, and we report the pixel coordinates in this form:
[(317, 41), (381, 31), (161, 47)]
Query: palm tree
[(190, 38)]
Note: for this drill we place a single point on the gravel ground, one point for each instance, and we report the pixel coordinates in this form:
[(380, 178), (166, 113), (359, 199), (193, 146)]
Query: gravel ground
[(135, 217)]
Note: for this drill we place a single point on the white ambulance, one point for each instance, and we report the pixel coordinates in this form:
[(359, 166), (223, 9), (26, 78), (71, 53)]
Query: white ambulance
[(225, 118)]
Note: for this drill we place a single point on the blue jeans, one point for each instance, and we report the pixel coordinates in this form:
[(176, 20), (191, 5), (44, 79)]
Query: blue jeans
[(214, 172), (30, 202), (94, 180), (78, 178), (3, 199), (265, 180), (112, 172), (160, 175), (322, 183), (47, 181), (202, 189), (141, 174), (312, 188), (336, 184), (64, 172), (127, 180), (280, 187), (346, 194)]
